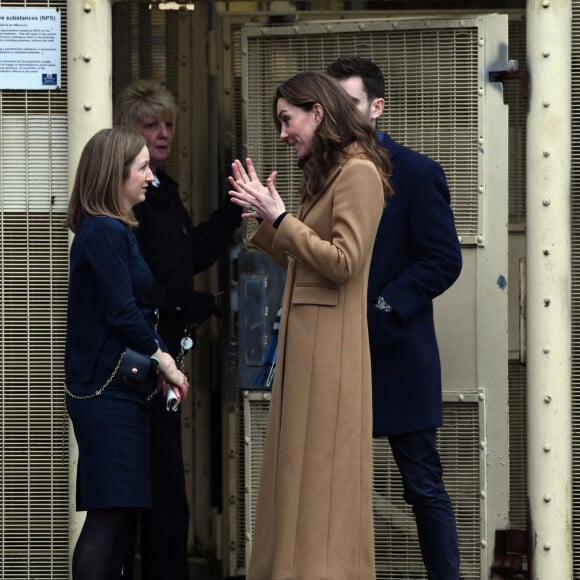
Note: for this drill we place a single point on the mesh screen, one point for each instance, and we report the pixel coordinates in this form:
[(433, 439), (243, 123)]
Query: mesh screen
[(575, 311), (396, 546), (432, 101), (34, 495), (433, 104)]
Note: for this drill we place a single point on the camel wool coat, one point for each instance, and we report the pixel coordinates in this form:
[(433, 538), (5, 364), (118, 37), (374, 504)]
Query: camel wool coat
[(314, 513)]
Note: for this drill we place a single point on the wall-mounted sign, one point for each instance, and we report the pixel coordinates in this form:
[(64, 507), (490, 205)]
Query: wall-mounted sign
[(30, 48)]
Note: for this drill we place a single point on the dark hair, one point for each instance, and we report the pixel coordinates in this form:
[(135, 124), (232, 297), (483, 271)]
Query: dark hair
[(341, 125), (101, 174), (355, 66), (144, 98)]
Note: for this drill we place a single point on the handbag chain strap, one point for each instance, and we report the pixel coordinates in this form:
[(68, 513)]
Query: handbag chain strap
[(100, 389)]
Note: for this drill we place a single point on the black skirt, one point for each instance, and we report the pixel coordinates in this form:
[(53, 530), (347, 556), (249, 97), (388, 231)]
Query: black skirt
[(113, 436)]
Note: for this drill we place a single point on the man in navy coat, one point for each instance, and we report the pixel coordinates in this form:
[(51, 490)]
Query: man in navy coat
[(416, 257)]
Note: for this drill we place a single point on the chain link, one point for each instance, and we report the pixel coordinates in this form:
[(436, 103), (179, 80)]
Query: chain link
[(100, 389)]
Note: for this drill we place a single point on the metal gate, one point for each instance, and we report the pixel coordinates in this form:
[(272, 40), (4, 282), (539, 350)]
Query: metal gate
[(440, 101)]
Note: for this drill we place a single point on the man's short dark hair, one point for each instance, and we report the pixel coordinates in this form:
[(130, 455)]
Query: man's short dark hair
[(371, 75)]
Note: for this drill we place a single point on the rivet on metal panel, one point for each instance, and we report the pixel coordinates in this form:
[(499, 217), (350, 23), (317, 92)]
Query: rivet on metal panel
[(361, 26), (87, 7), (480, 42), (546, 202), (480, 396), (547, 498), (246, 394), (480, 189), (546, 252), (483, 543), (482, 445), (547, 447), (461, 397), (547, 547), (545, 53), (246, 441), (88, 106), (462, 23), (480, 140), (86, 58), (545, 104), (328, 28), (480, 92), (480, 239), (546, 4), (546, 153), (546, 349), (482, 494), (547, 399)]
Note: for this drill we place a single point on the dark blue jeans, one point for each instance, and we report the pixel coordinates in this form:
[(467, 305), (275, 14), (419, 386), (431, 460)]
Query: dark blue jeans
[(418, 461)]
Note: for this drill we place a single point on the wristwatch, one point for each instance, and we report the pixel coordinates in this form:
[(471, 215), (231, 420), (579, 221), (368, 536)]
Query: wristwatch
[(383, 305)]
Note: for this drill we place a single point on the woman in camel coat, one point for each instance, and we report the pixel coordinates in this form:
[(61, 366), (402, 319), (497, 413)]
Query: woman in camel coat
[(314, 518)]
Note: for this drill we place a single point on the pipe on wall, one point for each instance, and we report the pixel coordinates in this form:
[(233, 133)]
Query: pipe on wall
[(90, 108), (549, 288)]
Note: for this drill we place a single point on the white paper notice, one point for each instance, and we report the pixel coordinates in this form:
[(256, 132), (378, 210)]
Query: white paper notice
[(30, 48)]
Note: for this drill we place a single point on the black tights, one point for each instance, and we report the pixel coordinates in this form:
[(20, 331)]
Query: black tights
[(99, 551)]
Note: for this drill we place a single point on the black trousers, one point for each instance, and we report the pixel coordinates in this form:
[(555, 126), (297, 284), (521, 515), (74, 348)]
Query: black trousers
[(164, 527), (418, 461)]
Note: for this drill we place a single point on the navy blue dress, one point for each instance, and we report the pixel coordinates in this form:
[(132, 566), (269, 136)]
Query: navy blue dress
[(108, 309)]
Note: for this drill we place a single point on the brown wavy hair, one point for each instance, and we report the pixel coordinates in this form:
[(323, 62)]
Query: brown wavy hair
[(342, 125), (101, 174)]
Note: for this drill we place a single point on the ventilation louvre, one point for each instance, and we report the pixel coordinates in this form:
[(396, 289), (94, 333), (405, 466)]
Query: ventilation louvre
[(34, 473)]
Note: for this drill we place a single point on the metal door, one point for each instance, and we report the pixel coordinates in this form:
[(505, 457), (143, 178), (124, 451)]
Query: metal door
[(440, 101)]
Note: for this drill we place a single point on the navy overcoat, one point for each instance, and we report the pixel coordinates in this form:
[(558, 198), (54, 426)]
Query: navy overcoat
[(416, 257)]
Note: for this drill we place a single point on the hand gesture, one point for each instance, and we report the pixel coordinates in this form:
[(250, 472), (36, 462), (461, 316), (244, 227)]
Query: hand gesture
[(262, 201)]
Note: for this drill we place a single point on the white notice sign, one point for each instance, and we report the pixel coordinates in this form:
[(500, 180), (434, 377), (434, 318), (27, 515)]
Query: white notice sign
[(30, 48)]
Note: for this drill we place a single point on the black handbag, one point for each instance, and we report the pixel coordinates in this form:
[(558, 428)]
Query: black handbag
[(136, 371), (135, 368)]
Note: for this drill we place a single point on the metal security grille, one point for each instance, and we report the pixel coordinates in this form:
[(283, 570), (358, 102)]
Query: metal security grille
[(433, 95), (396, 546), (515, 95), (518, 446), (435, 99), (575, 209), (34, 495)]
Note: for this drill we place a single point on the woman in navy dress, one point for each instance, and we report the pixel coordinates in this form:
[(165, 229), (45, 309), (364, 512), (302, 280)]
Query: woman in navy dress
[(109, 310)]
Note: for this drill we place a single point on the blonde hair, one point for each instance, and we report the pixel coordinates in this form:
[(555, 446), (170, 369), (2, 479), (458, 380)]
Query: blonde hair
[(144, 98), (101, 174)]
